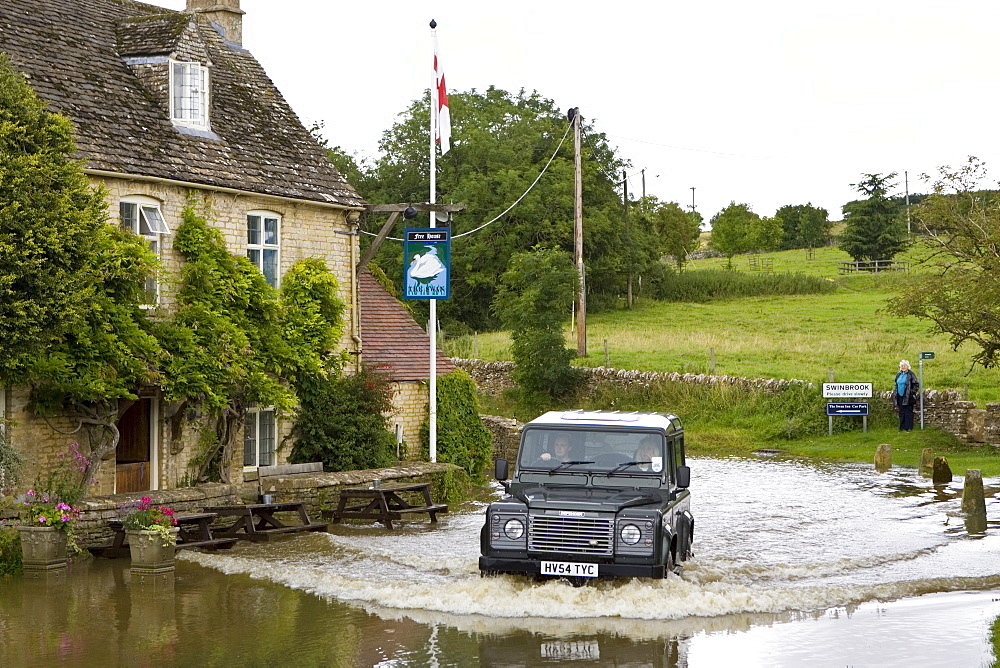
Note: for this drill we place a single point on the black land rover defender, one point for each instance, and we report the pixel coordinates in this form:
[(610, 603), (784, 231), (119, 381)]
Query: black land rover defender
[(594, 494)]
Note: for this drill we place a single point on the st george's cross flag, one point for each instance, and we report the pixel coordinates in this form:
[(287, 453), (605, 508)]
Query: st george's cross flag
[(442, 125)]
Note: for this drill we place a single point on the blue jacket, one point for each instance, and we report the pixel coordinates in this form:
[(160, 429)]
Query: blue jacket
[(909, 395)]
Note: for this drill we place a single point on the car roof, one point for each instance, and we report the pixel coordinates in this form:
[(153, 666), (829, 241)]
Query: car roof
[(666, 422)]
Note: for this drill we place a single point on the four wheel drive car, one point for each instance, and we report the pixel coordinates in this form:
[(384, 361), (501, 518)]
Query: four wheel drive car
[(594, 494)]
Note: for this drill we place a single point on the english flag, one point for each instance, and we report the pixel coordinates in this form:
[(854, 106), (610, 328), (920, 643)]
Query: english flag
[(442, 125)]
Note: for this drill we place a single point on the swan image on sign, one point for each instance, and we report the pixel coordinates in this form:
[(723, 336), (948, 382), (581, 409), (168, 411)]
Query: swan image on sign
[(425, 268)]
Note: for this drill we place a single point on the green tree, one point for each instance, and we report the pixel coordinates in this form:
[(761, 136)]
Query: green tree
[(962, 297), (763, 234), (874, 227), (675, 232), (500, 144), (803, 226), (71, 285), (731, 230), (534, 302)]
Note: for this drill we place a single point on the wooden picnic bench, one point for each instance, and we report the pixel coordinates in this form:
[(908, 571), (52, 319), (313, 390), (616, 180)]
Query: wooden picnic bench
[(195, 531), (256, 521), (384, 504)]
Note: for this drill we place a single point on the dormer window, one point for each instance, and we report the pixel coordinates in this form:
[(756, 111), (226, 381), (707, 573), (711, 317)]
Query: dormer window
[(189, 94)]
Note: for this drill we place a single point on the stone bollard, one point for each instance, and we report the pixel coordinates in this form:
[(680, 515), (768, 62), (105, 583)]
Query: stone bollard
[(926, 462), (883, 457), (973, 499), (942, 472)]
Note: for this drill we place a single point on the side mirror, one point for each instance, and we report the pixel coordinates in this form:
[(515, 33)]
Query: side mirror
[(500, 469), (683, 477)]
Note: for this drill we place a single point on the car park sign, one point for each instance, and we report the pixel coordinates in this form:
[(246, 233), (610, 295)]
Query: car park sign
[(856, 409), (847, 390)]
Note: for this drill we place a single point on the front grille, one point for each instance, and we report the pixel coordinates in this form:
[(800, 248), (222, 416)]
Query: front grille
[(570, 535)]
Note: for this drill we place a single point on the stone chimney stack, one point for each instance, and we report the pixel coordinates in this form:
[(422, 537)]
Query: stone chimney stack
[(224, 13)]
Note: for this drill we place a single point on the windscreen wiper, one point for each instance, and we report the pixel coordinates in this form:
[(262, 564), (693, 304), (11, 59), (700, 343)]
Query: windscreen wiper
[(567, 464), (625, 466)]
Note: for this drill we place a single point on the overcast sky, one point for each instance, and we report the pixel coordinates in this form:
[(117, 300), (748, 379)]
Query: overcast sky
[(767, 103)]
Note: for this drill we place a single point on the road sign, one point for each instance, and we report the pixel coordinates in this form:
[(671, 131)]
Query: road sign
[(926, 356), (847, 390), (847, 409)]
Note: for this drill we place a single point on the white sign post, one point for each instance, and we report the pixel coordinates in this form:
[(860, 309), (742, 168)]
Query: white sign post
[(847, 391)]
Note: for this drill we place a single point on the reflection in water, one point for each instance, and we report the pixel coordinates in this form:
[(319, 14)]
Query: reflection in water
[(789, 558)]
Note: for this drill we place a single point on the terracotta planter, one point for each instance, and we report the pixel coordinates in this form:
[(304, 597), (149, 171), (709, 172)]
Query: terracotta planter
[(151, 554), (43, 549)]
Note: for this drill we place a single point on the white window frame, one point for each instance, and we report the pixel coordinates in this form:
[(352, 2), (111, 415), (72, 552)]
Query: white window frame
[(252, 434), (146, 221), (264, 250), (189, 94)]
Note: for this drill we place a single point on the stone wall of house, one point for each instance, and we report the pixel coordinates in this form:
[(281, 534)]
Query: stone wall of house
[(409, 404), (306, 230), (945, 409)]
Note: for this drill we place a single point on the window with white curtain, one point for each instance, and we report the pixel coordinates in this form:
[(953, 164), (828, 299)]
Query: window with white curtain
[(259, 437), (263, 245), (189, 94)]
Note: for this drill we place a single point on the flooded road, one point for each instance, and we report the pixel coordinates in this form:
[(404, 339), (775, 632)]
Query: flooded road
[(795, 564)]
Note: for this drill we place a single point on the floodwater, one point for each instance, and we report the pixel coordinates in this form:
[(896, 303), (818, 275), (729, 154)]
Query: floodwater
[(795, 564)]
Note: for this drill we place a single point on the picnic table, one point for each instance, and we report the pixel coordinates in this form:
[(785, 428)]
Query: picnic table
[(256, 521), (384, 503), (195, 531)]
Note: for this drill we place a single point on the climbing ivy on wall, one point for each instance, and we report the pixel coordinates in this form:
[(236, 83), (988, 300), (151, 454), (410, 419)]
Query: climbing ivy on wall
[(234, 341), (462, 438)]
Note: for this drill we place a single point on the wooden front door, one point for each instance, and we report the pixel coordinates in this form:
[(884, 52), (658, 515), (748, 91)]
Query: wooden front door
[(132, 455)]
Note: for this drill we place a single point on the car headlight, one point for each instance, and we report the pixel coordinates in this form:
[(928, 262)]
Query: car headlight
[(630, 534), (513, 529)]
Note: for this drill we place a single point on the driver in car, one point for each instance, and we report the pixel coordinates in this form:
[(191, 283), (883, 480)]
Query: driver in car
[(560, 451)]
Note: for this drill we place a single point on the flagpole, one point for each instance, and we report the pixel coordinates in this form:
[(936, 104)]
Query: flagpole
[(432, 319)]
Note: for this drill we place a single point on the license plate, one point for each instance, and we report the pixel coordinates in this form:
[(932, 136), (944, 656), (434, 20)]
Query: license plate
[(569, 569), (571, 650)]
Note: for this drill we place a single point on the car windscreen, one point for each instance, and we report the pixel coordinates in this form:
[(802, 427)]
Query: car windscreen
[(618, 451)]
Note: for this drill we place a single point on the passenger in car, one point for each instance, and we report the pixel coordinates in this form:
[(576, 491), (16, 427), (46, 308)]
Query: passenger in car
[(647, 450)]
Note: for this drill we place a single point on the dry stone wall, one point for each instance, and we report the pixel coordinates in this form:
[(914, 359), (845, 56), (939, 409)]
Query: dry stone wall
[(945, 409)]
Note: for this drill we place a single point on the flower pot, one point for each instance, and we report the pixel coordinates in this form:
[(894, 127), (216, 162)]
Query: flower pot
[(151, 554), (43, 549)]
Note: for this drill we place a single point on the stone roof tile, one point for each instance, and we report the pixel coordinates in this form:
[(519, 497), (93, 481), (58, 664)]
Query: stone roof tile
[(69, 51)]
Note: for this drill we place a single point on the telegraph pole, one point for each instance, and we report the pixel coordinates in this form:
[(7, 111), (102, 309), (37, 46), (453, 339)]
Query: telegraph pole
[(581, 296), (906, 179), (625, 202), (692, 198)]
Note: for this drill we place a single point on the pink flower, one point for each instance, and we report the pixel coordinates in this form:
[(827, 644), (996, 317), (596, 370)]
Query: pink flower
[(65, 518), (169, 512), (41, 519), (30, 492)]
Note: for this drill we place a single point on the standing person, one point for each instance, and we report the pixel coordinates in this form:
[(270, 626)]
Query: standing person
[(904, 394)]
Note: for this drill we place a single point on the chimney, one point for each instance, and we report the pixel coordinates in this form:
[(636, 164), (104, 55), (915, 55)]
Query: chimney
[(225, 14)]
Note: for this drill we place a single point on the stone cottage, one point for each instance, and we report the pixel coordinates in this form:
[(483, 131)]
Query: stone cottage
[(167, 105)]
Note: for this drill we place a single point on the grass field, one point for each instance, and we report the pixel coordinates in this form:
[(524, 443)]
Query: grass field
[(797, 336)]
